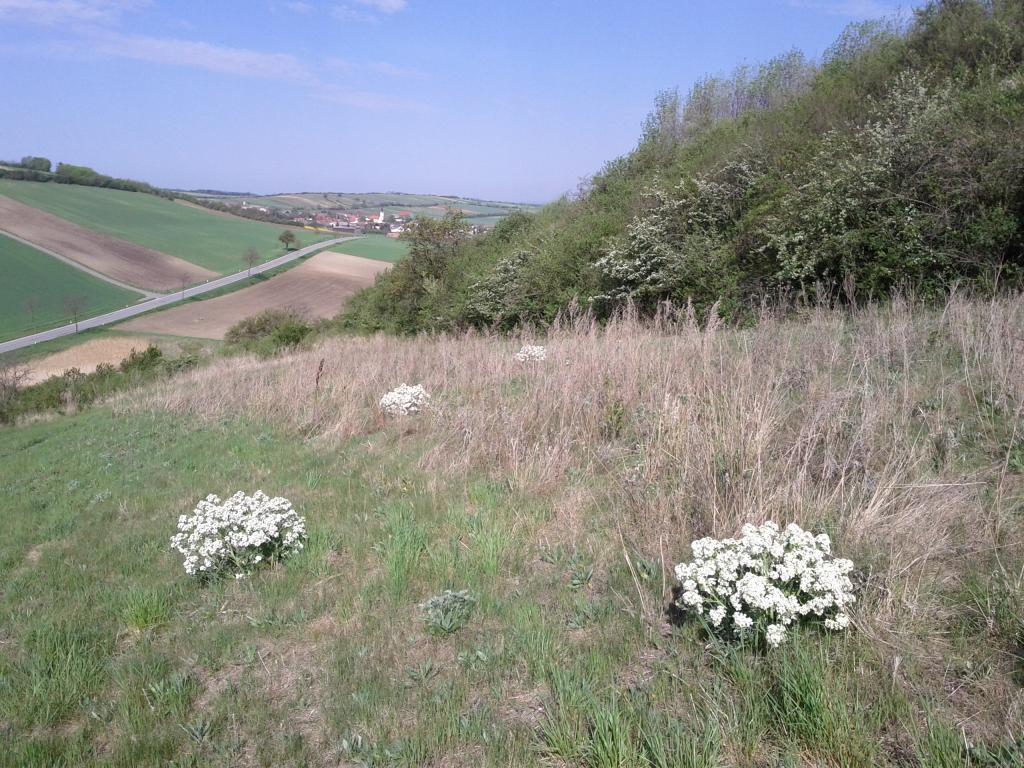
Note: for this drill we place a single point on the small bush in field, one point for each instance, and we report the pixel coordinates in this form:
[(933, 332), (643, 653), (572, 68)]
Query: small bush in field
[(531, 353), (404, 400), (448, 612), (236, 535), (274, 328), (757, 586)]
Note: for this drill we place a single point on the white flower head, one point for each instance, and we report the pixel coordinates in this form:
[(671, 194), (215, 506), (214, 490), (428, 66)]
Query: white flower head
[(234, 536), (404, 400), (765, 580), (532, 353)]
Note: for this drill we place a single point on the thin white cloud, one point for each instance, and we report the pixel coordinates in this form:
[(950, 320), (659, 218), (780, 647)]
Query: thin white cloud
[(391, 70), (204, 56), (384, 6), (53, 12)]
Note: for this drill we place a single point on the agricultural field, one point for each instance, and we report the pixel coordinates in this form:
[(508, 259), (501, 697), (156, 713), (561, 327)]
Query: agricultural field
[(316, 288), (117, 259), (35, 286), (215, 243), (375, 247)]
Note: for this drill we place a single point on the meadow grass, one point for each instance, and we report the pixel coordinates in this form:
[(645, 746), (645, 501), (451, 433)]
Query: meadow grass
[(375, 247), (203, 238), (35, 286), (559, 496)]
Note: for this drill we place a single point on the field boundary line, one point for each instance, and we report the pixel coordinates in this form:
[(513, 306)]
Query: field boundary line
[(81, 267), (166, 300)]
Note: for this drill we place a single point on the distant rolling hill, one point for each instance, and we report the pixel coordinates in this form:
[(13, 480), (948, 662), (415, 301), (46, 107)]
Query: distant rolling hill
[(477, 211)]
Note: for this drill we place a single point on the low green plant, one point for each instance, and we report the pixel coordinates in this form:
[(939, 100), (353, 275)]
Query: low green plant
[(447, 612)]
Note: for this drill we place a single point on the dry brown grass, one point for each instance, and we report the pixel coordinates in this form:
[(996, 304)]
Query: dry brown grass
[(859, 423)]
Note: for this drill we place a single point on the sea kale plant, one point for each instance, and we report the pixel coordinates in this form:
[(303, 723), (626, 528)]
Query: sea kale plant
[(757, 586), (404, 400), (532, 353), (447, 612), (234, 536)]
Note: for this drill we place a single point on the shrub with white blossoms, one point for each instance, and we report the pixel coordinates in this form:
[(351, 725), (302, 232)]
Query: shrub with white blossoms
[(404, 400), (758, 585), (236, 535), (531, 353)]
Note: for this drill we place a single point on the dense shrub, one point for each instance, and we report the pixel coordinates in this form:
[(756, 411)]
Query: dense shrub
[(897, 159), (269, 331)]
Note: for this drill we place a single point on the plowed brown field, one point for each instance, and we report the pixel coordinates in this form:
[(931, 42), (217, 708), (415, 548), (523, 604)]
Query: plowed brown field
[(121, 260), (318, 288)]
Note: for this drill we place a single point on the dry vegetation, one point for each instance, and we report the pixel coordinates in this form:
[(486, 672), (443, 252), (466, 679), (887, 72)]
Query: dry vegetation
[(897, 429)]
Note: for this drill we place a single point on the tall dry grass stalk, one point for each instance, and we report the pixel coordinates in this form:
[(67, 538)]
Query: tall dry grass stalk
[(852, 422)]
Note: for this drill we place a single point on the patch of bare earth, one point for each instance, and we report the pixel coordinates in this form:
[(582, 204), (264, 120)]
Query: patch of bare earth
[(85, 357), (121, 260), (318, 288)]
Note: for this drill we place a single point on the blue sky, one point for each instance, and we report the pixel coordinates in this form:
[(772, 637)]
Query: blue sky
[(513, 100)]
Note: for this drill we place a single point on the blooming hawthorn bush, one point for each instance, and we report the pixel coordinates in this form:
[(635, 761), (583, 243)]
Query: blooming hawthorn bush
[(532, 353), (757, 586), (236, 535), (404, 400)]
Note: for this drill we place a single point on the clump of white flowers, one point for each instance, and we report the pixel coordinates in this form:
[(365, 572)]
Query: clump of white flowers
[(236, 535), (404, 400), (758, 585), (532, 353)]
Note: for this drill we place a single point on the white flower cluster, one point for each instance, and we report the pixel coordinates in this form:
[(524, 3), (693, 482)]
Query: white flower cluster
[(404, 400), (765, 581), (236, 535), (531, 353)]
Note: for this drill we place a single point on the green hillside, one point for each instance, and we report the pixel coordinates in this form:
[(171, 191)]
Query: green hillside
[(36, 286), (209, 240), (894, 161)]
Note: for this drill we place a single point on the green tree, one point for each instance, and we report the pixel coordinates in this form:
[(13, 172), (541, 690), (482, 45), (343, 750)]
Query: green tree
[(36, 163), (288, 240)]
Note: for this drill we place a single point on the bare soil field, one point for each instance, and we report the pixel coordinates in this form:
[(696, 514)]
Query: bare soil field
[(123, 261), (318, 288), (85, 357)]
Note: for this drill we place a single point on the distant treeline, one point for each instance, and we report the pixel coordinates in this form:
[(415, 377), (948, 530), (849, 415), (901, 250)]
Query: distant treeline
[(39, 169), (896, 160)]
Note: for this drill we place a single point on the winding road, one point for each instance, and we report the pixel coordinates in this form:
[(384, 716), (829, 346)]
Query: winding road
[(165, 300)]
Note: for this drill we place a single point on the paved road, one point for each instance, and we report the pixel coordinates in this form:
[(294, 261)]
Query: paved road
[(166, 300)]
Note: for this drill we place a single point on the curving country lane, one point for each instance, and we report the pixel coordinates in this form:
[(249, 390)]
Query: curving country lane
[(166, 300)]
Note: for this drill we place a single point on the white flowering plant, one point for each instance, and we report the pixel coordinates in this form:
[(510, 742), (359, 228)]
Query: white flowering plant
[(532, 353), (404, 400), (757, 586), (236, 535)]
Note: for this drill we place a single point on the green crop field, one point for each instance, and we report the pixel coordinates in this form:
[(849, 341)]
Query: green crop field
[(211, 241), (375, 247), (35, 286)]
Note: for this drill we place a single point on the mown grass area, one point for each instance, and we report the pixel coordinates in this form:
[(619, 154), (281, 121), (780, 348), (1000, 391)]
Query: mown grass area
[(560, 495), (375, 247), (36, 285), (203, 238)]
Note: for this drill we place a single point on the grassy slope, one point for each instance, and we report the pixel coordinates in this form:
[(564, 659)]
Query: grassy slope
[(864, 427), (375, 247), (30, 274), (211, 241)]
